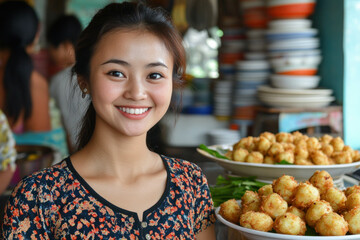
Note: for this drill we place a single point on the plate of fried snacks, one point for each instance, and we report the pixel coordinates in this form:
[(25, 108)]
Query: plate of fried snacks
[(288, 209), (271, 155)]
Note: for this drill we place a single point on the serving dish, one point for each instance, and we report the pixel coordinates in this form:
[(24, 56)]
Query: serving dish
[(268, 172), (251, 234)]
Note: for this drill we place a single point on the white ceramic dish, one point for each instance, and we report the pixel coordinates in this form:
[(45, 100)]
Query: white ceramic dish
[(287, 103), (251, 234), (290, 24), (294, 82), (317, 92), (269, 172), (297, 43), (286, 2), (300, 53)]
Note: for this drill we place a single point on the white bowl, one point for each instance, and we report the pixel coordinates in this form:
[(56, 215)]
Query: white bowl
[(300, 53), (269, 172), (297, 24), (310, 61), (251, 234), (294, 82), (285, 2), (289, 33), (297, 43)]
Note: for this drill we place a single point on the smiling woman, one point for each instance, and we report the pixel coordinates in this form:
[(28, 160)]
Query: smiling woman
[(128, 60)]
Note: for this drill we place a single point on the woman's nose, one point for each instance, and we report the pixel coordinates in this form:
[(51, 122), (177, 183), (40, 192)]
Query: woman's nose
[(135, 89)]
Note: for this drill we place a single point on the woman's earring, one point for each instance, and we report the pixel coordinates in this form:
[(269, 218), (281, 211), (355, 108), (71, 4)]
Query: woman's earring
[(84, 92)]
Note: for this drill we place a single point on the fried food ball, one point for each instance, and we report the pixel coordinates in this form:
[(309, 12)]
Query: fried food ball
[(327, 149), (230, 210), (263, 145), (302, 161), (297, 136), (352, 189), (257, 221), (301, 143), (336, 198), (313, 144), (298, 212), (331, 224), (274, 205), (352, 201), (265, 190), (254, 157), (316, 210), (305, 195), (285, 186), (357, 156), (275, 149), (290, 224), (301, 152), (250, 201), (322, 180), (287, 156), (229, 154), (270, 136), (350, 150), (284, 137), (352, 217), (341, 157), (288, 147), (319, 158), (246, 143), (326, 138), (240, 154), (269, 159), (338, 144)]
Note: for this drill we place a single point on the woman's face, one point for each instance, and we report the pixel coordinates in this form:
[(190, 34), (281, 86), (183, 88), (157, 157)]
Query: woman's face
[(130, 81)]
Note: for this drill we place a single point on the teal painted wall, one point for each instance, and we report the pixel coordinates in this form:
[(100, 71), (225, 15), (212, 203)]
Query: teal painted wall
[(352, 73), (328, 19)]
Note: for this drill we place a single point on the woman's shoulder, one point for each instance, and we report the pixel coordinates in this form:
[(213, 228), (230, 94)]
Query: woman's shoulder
[(183, 167), (45, 180)]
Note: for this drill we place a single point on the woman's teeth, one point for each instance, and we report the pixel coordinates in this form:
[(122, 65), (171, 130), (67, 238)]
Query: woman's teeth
[(135, 111)]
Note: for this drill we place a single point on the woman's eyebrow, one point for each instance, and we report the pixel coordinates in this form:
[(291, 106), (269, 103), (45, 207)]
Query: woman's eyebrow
[(116, 61), (156, 64)]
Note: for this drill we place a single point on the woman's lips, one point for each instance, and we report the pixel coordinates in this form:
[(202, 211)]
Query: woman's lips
[(134, 112)]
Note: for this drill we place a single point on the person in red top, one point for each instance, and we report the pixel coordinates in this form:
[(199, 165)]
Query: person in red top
[(128, 60)]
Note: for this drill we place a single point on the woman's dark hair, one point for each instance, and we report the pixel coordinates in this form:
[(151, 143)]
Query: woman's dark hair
[(125, 16), (64, 28), (18, 28)]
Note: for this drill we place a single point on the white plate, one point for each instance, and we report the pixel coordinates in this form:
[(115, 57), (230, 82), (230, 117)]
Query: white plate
[(318, 91), (251, 234), (290, 24), (269, 172), (297, 104)]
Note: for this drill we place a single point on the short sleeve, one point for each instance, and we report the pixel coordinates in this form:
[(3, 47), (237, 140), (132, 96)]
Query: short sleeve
[(23, 218), (204, 207), (7, 144)]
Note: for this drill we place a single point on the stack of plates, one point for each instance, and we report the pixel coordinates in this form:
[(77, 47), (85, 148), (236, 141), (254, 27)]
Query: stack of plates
[(221, 136), (298, 98), (223, 90)]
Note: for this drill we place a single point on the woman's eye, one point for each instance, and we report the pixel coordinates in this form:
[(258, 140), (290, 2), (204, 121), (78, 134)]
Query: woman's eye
[(155, 76), (115, 74)]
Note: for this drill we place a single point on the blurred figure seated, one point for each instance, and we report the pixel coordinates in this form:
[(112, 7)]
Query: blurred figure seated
[(7, 153), (24, 93), (62, 36)]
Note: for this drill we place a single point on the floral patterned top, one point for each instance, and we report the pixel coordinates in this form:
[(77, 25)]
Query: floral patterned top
[(57, 203), (7, 144)]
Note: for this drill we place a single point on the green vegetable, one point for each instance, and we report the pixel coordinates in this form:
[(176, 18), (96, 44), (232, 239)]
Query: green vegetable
[(232, 187), (284, 162), (212, 152)]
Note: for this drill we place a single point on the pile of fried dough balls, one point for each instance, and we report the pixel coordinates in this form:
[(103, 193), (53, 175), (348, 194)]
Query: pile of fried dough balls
[(295, 148), (288, 207)]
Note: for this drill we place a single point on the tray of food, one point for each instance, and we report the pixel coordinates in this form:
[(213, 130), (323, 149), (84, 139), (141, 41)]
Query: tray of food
[(271, 155), (288, 209)]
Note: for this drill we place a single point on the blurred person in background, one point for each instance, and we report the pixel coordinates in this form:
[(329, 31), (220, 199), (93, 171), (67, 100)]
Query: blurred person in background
[(62, 36), (24, 95), (7, 153)]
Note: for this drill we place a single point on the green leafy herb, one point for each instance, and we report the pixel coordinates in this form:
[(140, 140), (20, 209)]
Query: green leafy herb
[(284, 162), (212, 152), (233, 187)]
